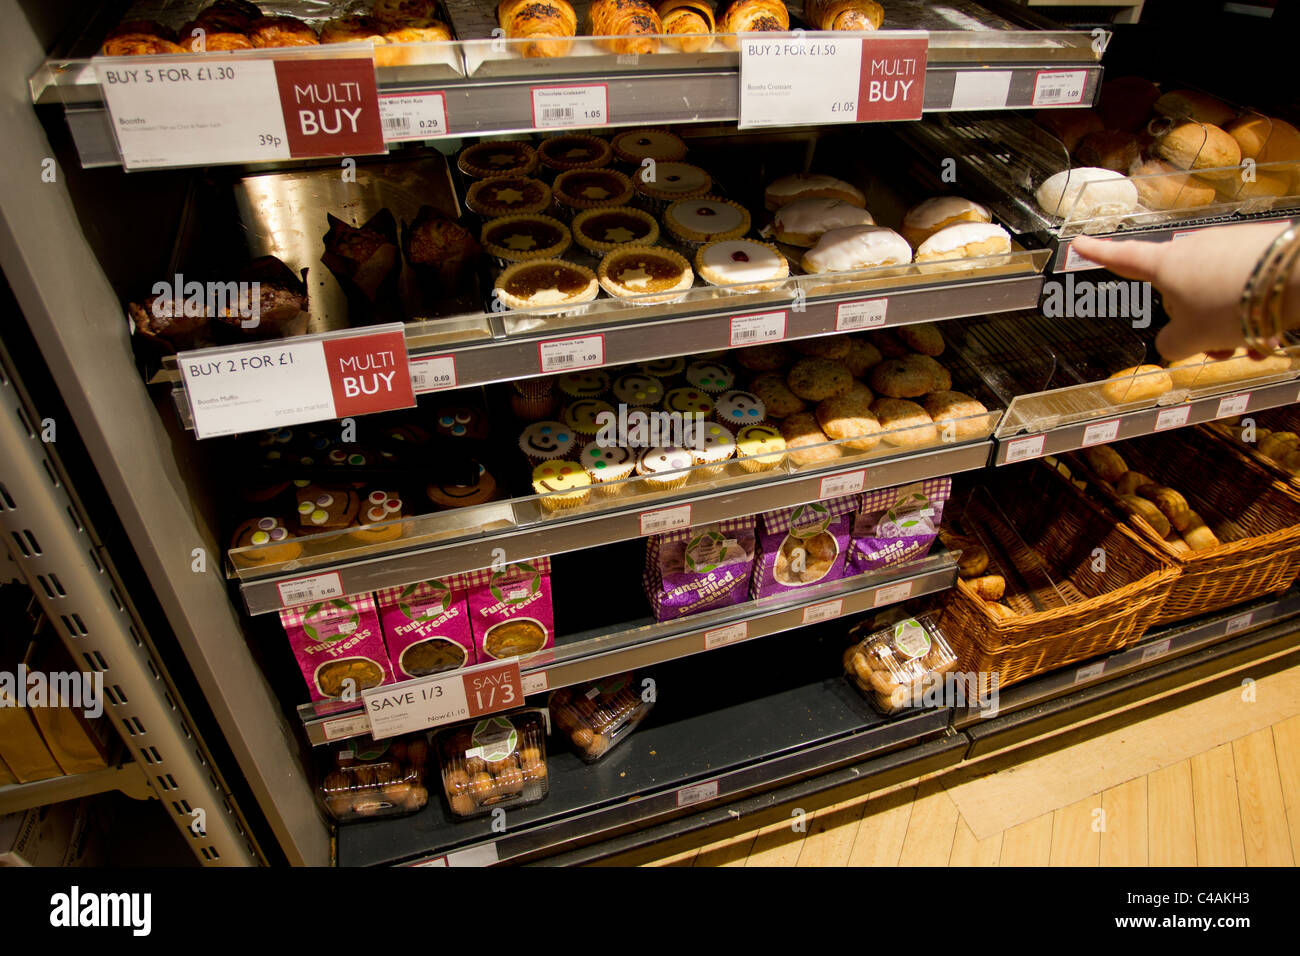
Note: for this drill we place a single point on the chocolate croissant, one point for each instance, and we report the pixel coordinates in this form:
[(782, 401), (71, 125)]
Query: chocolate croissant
[(688, 21), (634, 21), (751, 16), (844, 14), (551, 23)]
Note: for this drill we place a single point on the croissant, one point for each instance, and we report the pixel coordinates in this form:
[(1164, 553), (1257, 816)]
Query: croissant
[(844, 14), (688, 20), (536, 19), (633, 20), (746, 16)]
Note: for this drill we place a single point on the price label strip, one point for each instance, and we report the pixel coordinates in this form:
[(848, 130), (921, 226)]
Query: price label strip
[(433, 374), (833, 486), (218, 108), (320, 587), (292, 381), (1023, 449), (831, 78), (444, 699), (665, 519), (565, 355), (1059, 87), (413, 116), (555, 107), (757, 329), (861, 315)]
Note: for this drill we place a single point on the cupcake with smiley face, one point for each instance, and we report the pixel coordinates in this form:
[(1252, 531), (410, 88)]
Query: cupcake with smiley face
[(738, 408), (546, 441), (589, 384)]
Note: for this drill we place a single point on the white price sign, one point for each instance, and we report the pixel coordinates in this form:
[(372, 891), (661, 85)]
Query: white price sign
[(721, 636), (757, 329), (1233, 405), (1059, 87), (1074, 261), (836, 486), (434, 701), (697, 793), (1175, 417), (1100, 433), (565, 355), (412, 115), (815, 613), (1158, 649), (1239, 623), (320, 587), (535, 683), (1091, 672), (860, 315), (341, 728), (1023, 449), (893, 594), (433, 374), (665, 519), (981, 89), (560, 106)]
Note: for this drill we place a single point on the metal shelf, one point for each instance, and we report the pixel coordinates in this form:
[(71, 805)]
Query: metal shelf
[(1165, 644), (640, 644), (126, 777), (723, 728), (395, 568), (637, 339)]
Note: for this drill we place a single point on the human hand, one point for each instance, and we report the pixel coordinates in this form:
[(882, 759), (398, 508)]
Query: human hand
[(1200, 278)]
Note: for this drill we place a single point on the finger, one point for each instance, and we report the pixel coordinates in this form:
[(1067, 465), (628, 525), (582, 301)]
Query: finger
[(1177, 341), (1131, 259)]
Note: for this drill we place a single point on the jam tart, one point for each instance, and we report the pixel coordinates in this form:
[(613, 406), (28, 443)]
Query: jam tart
[(605, 229), (508, 196), (579, 189), (520, 238), (640, 271), (574, 151), (546, 283), (498, 158)]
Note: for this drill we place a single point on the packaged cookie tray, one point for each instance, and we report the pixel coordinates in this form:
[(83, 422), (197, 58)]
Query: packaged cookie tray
[(1011, 158), (599, 715), (1042, 535), (1254, 516), (716, 48), (495, 762), (1270, 438), (363, 778), (1052, 372), (895, 666)]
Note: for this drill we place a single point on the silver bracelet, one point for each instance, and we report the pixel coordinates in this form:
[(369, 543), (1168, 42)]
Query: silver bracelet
[(1255, 329)]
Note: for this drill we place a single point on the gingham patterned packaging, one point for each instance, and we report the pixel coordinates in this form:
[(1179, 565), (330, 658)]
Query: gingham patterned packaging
[(511, 611), (423, 625), (697, 569), (896, 525), (803, 545), (336, 641)]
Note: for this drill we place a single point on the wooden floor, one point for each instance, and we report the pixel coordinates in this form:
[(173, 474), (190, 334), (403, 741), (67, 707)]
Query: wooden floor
[(1232, 803)]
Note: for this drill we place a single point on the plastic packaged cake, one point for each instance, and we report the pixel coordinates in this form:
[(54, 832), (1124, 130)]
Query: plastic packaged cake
[(376, 778), (599, 715), (895, 666), (498, 761)]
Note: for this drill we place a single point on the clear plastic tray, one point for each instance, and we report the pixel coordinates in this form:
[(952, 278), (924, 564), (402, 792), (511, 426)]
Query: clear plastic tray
[(369, 778), (496, 762), (598, 716), (895, 666)]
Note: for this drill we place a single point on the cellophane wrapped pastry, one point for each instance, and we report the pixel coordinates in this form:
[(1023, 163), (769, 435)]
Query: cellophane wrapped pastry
[(894, 666), (376, 778), (599, 715), (498, 761)]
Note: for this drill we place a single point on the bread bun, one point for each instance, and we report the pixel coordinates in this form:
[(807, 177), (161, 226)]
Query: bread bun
[(1125, 102), (1130, 482), (1109, 149), (1087, 192), (1108, 464), (1199, 370), (1200, 146), (1162, 186), (1069, 126), (1265, 140), (1194, 105), (926, 218), (1148, 512), (1137, 384)]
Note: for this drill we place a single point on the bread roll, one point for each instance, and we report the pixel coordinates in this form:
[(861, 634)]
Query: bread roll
[(1201, 146), (1109, 149), (905, 423), (990, 587), (1148, 512), (1069, 126), (1264, 139), (1130, 482), (1136, 384), (1125, 102), (969, 418), (1199, 537), (1170, 502), (1278, 446), (1199, 370), (1161, 185), (1175, 541), (1106, 462), (1087, 192), (1196, 106), (999, 610), (926, 218)]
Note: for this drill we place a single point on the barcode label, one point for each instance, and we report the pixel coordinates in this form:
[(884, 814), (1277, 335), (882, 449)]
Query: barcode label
[(1091, 672), (1100, 433), (861, 315), (665, 519), (893, 594), (343, 727), (823, 612), (1073, 261), (697, 793), (836, 486), (560, 106), (1173, 417), (1240, 622), (757, 329), (406, 116), (433, 374), (1023, 449), (1057, 88), (722, 636), (1158, 649), (320, 587), (533, 683), (1233, 405), (563, 355)]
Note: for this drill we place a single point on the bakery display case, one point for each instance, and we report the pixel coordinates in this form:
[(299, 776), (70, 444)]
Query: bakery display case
[(686, 630)]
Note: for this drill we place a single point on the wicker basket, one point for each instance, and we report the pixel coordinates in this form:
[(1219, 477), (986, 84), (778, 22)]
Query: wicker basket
[(1284, 419), (1043, 538), (1255, 515)]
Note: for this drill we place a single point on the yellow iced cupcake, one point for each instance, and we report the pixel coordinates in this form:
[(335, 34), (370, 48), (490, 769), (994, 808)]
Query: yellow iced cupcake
[(562, 484), (760, 448)]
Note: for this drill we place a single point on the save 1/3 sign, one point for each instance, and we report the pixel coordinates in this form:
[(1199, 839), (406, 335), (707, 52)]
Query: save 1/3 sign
[(443, 699), (213, 108), (811, 79), (291, 381)]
